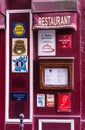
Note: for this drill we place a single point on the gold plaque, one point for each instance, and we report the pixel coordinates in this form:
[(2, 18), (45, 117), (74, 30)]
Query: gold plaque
[(19, 47)]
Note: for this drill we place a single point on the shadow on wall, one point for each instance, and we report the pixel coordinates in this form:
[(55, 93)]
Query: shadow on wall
[(18, 4)]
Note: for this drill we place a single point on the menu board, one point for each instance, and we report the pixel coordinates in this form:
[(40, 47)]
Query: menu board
[(56, 76)]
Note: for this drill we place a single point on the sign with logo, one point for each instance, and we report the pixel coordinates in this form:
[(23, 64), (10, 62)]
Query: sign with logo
[(46, 43), (19, 96), (55, 20), (19, 46), (19, 64), (64, 41), (18, 29), (64, 102)]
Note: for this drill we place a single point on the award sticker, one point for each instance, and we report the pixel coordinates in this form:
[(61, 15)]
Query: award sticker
[(19, 64), (40, 100), (19, 46), (64, 102), (64, 41), (50, 100), (18, 29)]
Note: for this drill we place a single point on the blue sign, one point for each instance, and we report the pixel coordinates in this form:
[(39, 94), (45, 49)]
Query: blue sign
[(18, 29), (19, 96)]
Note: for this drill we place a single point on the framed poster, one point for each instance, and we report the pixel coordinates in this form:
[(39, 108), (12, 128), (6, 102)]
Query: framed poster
[(64, 102), (56, 74), (46, 43)]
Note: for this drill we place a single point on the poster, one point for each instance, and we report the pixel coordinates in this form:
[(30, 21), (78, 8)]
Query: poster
[(40, 100), (64, 102), (50, 100), (46, 43)]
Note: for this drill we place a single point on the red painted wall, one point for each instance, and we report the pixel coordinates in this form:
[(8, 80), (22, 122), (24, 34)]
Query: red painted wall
[(78, 52), (18, 4), (2, 78), (82, 65)]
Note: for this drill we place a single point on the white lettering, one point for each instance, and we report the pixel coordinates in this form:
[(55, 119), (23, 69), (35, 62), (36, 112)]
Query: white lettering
[(54, 21)]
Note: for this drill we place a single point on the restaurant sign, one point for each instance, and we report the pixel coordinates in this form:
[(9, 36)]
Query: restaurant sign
[(55, 20)]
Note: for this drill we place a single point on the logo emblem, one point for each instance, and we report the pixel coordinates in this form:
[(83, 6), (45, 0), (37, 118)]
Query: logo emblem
[(19, 47), (19, 29), (19, 64)]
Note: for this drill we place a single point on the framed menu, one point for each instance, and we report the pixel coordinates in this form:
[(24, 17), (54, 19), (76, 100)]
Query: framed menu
[(56, 74)]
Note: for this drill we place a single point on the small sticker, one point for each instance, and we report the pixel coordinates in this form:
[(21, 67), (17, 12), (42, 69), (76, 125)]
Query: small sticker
[(18, 29), (50, 100), (19, 46), (19, 64), (64, 102), (40, 100)]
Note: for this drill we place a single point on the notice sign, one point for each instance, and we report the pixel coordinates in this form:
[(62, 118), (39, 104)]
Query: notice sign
[(50, 100), (40, 100), (19, 96), (64, 41), (46, 43), (56, 76), (64, 102)]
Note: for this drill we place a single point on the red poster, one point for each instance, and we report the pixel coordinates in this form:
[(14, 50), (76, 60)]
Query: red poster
[(64, 41), (64, 102)]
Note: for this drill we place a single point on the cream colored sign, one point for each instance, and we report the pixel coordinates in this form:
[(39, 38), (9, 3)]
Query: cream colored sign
[(19, 46)]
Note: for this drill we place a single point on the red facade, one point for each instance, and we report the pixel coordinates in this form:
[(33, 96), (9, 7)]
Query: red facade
[(46, 102)]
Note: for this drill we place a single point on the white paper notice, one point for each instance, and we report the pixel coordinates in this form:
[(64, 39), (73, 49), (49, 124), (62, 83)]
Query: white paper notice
[(56, 76)]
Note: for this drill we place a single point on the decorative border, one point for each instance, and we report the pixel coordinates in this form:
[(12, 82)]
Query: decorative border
[(7, 119), (41, 121)]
